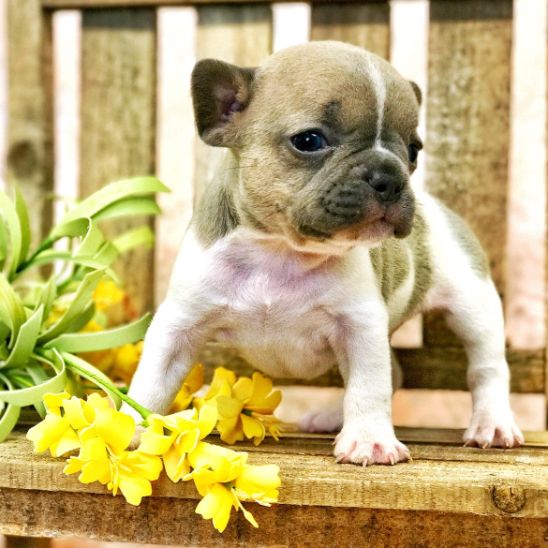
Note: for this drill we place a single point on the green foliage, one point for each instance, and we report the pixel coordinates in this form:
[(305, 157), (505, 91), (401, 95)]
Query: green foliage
[(37, 347)]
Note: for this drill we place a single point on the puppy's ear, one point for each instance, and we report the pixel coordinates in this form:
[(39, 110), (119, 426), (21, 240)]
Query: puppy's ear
[(220, 91), (417, 91)]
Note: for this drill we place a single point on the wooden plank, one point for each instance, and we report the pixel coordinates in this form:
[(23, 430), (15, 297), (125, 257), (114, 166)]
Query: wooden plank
[(27, 542), (30, 108), (311, 477), (434, 368), (365, 25), (237, 34), (118, 119), (468, 135), (165, 521), (67, 4)]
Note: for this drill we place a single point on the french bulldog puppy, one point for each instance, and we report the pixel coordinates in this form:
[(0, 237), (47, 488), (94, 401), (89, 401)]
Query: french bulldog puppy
[(309, 247)]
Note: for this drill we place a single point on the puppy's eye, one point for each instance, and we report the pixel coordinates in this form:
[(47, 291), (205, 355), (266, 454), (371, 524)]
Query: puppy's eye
[(309, 141), (413, 152)]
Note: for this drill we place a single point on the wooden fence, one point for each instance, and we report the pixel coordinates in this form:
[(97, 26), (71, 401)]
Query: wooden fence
[(468, 103)]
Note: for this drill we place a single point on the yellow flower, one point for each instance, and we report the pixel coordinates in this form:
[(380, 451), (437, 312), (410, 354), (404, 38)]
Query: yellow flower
[(126, 359), (245, 406), (55, 431), (258, 483), (224, 479), (132, 472), (176, 435), (111, 302), (92, 462), (102, 359), (192, 384)]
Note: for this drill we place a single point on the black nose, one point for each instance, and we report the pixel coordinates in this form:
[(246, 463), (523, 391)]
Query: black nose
[(387, 186)]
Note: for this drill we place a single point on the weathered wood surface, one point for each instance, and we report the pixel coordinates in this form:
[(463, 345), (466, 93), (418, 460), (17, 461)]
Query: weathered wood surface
[(310, 476), (67, 4), (237, 34), (365, 25), (468, 136), (29, 160), (169, 521), (434, 368), (118, 119)]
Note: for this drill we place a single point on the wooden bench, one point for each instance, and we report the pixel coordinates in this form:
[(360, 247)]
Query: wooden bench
[(448, 495)]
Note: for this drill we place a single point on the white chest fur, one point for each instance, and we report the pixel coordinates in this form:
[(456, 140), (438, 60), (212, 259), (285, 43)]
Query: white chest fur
[(275, 307)]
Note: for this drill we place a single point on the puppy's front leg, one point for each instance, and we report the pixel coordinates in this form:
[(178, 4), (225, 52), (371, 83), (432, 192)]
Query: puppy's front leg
[(367, 436), (168, 354)]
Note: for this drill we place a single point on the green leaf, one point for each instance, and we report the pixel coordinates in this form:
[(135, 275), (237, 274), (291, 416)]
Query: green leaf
[(12, 312), (9, 214), (4, 238), (34, 394), (128, 207), (81, 301), (110, 338), (47, 296), (141, 236), (51, 255), (38, 375), (26, 340), (114, 192), (8, 419), (24, 224)]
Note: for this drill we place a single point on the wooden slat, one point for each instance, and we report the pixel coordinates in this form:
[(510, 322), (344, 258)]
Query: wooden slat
[(468, 134), (164, 521), (237, 34), (434, 368), (310, 476), (67, 4), (118, 118), (30, 108), (365, 25)]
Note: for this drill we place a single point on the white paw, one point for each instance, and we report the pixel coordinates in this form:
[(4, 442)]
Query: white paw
[(488, 429), (359, 448), (329, 420)]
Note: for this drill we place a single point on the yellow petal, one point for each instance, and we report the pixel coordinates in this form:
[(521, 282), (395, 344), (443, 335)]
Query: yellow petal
[(134, 488), (259, 483), (155, 444), (263, 399), (176, 465), (230, 430), (74, 412), (139, 464), (195, 379), (54, 402), (222, 464), (243, 389), (207, 420), (228, 408), (253, 428), (216, 505), (222, 379), (116, 428), (53, 433)]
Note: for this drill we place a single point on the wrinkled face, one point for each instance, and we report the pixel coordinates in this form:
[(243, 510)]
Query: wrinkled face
[(325, 136)]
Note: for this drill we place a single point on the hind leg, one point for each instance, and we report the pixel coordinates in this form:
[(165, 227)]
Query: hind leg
[(475, 315)]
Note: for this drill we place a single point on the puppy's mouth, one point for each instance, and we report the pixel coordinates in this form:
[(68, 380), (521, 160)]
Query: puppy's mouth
[(384, 222)]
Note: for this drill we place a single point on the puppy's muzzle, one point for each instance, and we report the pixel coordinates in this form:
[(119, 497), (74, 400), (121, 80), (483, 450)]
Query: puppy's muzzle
[(364, 193)]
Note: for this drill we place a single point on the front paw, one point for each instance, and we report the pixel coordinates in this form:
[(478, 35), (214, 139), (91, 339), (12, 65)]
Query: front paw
[(493, 429), (362, 448)]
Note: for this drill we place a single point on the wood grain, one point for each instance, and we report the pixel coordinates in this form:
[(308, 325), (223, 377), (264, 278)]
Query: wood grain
[(237, 34), (169, 521), (311, 477), (365, 25), (468, 135), (67, 4), (29, 160), (118, 119), (434, 368)]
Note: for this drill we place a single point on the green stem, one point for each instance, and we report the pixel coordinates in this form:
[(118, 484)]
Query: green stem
[(46, 244), (87, 370)]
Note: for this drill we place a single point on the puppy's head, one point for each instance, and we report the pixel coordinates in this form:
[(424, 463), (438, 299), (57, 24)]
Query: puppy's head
[(325, 138)]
